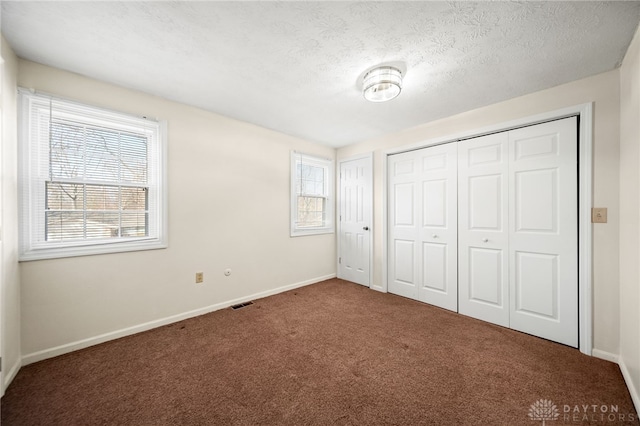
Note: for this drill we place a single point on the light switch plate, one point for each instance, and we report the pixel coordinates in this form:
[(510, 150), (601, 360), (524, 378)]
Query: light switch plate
[(599, 215)]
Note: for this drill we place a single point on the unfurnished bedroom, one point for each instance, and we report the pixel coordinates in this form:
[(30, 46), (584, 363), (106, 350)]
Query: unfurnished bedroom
[(285, 213)]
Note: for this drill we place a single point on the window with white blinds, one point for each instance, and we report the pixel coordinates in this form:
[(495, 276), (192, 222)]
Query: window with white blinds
[(311, 195), (91, 181)]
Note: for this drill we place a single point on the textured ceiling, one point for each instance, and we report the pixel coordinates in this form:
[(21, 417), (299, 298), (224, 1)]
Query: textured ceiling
[(297, 67)]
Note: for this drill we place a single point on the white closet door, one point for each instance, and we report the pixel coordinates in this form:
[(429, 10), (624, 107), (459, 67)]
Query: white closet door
[(483, 261), (438, 232), (403, 226), (543, 230), (423, 225)]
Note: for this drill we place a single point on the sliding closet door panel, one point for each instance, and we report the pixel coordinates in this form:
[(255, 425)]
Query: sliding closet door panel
[(439, 226), (544, 230), (483, 166), (423, 225)]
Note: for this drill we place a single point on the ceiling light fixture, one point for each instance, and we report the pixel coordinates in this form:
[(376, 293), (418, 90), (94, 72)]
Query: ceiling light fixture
[(382, 84)]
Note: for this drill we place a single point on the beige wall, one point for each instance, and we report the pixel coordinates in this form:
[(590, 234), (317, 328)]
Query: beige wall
[(228, 208), (630, 218), (9, 271), (601, 89)]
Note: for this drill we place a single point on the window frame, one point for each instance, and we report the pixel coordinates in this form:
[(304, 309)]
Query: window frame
[(328, 226), (32, 179)]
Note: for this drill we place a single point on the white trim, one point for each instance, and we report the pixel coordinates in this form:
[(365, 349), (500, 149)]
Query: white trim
[(91, 341), (93, 249), (385, 220), (626, 375), (495, 128), (329, 225), (635, 396), (585, 231), (33, 247), (607, 356), (11, 374), (364, 156)]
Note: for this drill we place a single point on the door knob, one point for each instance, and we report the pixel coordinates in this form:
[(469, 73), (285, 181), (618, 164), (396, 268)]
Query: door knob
[(485, 240), (434, 236), (366, 228)]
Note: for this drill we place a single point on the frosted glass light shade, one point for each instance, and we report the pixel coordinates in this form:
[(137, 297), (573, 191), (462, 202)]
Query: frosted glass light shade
[(382, 84)]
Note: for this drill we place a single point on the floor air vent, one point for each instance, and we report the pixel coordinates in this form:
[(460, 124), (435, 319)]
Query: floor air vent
[(241, 305)]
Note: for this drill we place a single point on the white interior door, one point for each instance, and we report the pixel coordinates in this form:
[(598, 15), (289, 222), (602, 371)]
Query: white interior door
[(355, 221), (543, 230), (483, 237), (423, 225)]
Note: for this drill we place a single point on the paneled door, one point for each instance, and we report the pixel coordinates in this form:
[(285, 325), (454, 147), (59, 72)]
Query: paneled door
[(355, 220), (423, 225), (543, 230), (483, 254), (490, 225)]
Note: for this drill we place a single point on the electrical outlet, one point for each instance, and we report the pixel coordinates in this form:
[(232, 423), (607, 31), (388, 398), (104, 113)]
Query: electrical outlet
[(599, 215), (199, 277)]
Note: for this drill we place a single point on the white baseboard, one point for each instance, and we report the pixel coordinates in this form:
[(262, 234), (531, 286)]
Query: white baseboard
[(635, 397), (625, 374), (91, 341), (607, 356), (11, 374)]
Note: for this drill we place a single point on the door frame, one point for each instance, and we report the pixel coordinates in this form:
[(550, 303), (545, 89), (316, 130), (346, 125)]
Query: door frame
[(585, 202), (369, 157)]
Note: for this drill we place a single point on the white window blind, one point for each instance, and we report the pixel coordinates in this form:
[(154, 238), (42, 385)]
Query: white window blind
[(311, 195), (91, 181)]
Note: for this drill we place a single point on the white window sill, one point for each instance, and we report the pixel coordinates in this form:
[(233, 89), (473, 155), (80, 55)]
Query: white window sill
[(90, 250), (303, 233)]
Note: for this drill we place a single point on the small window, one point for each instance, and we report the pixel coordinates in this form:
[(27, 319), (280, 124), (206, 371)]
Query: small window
[(311, 195), (91, 181)]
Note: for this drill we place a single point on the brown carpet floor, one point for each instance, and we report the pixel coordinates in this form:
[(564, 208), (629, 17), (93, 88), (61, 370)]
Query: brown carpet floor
[(329, 353)]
